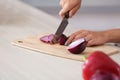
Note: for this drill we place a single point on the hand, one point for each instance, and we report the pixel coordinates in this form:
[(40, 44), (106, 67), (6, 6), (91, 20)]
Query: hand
[(69, 5), (92, 37)]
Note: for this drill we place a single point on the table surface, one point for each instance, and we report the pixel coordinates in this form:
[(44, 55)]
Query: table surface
[(18, 20)]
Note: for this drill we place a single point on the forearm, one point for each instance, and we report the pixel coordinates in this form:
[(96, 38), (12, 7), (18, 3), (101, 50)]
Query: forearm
[(113, 35)]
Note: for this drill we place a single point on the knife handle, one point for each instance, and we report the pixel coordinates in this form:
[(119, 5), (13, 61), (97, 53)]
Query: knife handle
[(67, 14)]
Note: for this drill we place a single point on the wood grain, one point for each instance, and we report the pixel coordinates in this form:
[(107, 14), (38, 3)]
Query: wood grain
[(34, 43)]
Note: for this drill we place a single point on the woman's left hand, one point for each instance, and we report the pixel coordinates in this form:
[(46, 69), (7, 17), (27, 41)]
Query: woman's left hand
[(92, 37)]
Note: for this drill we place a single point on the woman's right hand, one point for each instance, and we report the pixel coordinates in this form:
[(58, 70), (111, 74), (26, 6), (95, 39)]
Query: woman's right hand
[(69, 5)]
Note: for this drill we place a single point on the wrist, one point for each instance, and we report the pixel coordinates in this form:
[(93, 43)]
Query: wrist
[(107, 36), (111, 35)]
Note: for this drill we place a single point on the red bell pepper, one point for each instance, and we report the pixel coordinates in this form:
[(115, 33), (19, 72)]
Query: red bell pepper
[(104, 75), (99, 61)]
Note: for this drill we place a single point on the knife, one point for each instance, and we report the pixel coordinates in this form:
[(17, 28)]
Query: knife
[(61, 28)]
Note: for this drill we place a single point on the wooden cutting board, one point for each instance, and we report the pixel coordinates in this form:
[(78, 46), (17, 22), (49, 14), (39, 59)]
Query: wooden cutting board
[(34, 43)]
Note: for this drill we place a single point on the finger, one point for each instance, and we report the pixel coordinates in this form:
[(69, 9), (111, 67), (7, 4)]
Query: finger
[(78, 37), (88, 37), (81, 35), (90, 43), (62, 3), (74, 10), (73, 36), (65, 8), (78, 32), (70, 39), (63, 11)]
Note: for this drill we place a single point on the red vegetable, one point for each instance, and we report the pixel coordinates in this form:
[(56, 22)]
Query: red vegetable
[(62, 39), (98, 61), (77, 46), (49, 38), (104, 75)]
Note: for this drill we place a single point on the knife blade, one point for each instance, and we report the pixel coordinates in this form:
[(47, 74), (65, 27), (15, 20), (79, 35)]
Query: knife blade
[(61, 28)]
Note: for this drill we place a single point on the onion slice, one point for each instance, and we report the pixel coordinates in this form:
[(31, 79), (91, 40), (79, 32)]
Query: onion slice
[(47, 38), (62, 39)]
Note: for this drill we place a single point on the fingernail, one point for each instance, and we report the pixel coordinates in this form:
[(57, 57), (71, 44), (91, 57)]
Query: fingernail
[(66, 44), (70, 15)]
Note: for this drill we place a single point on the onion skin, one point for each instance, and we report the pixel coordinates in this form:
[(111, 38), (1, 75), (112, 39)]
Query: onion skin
[(78, 49)]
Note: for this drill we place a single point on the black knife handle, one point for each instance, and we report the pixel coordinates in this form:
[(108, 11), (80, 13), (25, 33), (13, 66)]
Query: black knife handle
[(67, 15)]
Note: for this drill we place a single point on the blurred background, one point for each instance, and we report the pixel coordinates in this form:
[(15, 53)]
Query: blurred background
[(93, 15), (50, 5)]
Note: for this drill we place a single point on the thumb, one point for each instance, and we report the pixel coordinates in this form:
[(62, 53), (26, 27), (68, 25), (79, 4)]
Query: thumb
[(65, 9)]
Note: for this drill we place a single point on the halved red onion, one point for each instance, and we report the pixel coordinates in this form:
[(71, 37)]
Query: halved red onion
[(77, 46), (62, 39)]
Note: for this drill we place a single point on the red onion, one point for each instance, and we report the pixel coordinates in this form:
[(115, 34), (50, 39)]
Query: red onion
[(77, 46), (47, 38), (62, 39)]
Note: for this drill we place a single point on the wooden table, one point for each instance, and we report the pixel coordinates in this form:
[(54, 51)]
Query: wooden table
[(18, 20)]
